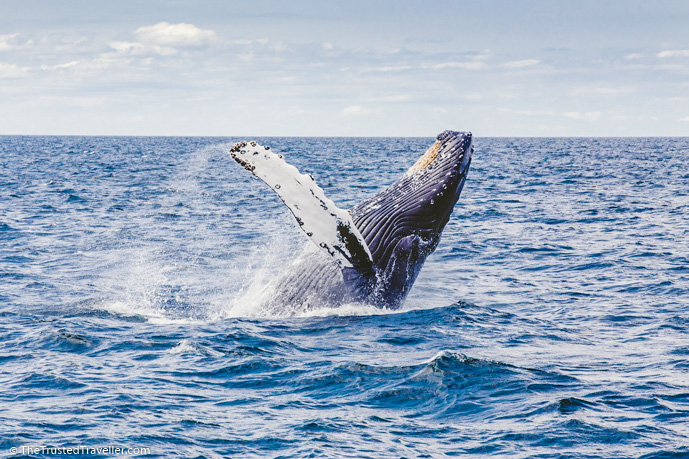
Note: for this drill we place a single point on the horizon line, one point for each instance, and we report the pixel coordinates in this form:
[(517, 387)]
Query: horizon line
[(356, 136)]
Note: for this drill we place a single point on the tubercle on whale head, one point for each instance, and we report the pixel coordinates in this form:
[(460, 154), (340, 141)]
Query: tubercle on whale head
[(450, 148), (424, 161)]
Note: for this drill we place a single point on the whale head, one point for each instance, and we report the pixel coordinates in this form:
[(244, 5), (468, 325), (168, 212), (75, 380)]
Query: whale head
[(402, 224)]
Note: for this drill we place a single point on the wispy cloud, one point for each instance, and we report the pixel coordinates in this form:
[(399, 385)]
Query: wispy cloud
[(520, 64), (66, 65), (139, 49), (471, 65), (674, 53), (393, 68), (7, 41), (12, 70), (166, 34), (685, 119)]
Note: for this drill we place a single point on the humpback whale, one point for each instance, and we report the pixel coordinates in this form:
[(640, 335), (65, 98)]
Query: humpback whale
[(372, 253)]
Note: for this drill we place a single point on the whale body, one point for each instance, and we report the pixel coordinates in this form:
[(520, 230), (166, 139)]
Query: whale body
[(372, 253)]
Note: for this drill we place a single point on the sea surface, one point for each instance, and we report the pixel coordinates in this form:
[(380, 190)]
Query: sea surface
[(552, 321)]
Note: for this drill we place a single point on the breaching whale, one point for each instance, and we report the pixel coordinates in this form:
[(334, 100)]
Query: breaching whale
[(372, 253)]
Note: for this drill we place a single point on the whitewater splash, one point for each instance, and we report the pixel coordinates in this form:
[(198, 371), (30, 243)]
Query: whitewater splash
[(177, 272)]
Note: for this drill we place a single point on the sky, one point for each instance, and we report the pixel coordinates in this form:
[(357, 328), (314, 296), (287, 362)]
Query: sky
[(344, 68)]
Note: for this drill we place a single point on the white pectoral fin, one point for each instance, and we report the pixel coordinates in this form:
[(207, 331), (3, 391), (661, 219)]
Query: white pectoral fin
[(329, 227)]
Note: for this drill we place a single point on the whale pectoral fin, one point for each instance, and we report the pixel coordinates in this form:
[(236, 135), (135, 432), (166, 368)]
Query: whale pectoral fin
[(329, 227)]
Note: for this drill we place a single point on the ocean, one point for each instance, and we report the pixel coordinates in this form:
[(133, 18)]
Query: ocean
[(551, 322)]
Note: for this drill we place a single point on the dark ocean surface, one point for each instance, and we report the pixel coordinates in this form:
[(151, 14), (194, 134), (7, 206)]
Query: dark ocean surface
[(552, 321)]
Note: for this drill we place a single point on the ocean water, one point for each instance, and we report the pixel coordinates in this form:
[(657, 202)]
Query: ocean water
[(552, 321)]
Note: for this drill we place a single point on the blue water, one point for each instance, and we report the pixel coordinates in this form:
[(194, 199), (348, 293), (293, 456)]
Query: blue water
[(552, 321)]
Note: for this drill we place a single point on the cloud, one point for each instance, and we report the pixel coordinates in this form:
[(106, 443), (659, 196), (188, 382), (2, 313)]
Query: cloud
[(7, 41), (12, 41), (461, 65), (140, 49), (590, 116), (63, 66), (393, 68), (674, 53), (632, 56), (520, 64), (164, 39), (166, 34), (12, 70), (686, 119)]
